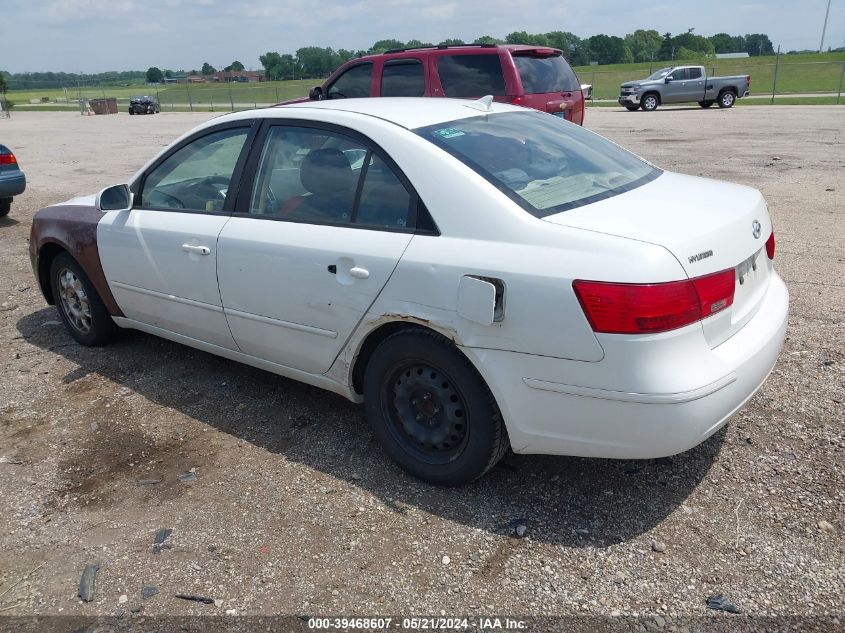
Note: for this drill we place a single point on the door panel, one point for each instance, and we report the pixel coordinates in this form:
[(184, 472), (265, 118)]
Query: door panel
[(282, 301), (157, 268), (160, 259)]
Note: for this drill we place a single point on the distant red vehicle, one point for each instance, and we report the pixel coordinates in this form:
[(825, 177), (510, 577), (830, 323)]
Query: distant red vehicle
[(532, 76)]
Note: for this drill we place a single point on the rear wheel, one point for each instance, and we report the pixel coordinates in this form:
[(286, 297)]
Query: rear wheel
[(632, 108), (5, 207), (705, 104), (650, 102), (727, 99), (80, 307), (131, 111), (430, 409)]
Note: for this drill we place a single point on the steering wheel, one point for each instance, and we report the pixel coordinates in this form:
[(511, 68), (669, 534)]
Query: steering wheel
[(206, 186), (179, 203)]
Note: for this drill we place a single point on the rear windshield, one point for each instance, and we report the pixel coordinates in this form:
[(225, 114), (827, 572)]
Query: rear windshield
[(543, 163), (545, 73), (471, 75)]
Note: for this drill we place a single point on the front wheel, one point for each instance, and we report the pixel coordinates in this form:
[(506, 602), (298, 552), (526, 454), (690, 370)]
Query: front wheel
[(727, 99), (705, 104), (430, 409), (649, 103), (632, 108), (80, 307)]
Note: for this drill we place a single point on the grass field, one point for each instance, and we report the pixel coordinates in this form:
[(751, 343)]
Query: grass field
[(796, 74)]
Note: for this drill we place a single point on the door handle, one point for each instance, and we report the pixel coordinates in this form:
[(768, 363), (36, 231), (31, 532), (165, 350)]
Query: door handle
[(201, 250), (359, 273)]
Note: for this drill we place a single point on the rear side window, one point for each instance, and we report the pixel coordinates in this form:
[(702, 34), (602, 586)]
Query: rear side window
[(471, 75), (403, 78), (353, 83), (694, 73), (545, 73)]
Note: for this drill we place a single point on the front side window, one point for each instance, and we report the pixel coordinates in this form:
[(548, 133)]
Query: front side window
[(403, 78), (471, 75), (679, 74), (544, 164), (197, 176), (353, 83), (325, 177), (545, 73)]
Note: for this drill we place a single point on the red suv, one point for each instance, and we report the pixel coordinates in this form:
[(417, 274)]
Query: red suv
[(532, 76)]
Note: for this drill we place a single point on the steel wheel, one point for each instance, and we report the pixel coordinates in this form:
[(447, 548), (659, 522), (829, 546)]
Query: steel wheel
[(75, 302), (427, 413)]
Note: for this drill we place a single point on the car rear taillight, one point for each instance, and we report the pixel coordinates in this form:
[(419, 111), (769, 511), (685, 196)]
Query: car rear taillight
[(614, 308), (8, 159), (770, 246)]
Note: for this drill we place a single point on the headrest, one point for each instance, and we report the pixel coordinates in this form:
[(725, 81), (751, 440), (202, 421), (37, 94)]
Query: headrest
[(326, 171)]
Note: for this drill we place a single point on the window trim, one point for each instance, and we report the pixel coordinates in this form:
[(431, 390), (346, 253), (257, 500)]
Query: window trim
[(231, 196), (249, 179)]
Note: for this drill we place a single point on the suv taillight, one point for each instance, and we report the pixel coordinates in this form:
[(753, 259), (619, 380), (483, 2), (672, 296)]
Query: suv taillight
[(8, 159), (770, 246), (613, 308)]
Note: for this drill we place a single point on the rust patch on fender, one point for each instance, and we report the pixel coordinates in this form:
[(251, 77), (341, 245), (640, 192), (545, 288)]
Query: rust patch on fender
[(73, 228)]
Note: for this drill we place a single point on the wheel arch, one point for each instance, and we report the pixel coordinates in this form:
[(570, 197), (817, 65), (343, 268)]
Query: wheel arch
[(654, 92), (46, 254), (373, 338)]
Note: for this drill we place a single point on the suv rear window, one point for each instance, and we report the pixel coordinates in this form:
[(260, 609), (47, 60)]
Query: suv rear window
[(545, 73), (471, 75), (540, 162)]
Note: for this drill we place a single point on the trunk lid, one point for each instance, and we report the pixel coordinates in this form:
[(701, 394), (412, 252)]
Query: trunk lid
[(707, 225)]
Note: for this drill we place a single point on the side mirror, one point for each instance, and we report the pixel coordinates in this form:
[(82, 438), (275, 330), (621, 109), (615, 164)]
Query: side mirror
[(668, 79), (115, 198), (316, 94)]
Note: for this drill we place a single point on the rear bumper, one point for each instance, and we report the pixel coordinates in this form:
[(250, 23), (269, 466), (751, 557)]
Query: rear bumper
[(12, 184), (561, 407)]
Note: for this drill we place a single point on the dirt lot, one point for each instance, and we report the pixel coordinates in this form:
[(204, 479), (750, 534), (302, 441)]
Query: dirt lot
[(296, 510)]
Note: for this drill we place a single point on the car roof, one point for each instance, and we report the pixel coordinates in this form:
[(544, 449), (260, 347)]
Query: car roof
[(407, 112)]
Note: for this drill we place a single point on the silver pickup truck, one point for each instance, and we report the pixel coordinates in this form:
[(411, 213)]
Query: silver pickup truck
[(681, 84)]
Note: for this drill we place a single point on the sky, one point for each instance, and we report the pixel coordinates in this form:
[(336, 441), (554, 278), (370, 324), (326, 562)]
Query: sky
[(101, 35)]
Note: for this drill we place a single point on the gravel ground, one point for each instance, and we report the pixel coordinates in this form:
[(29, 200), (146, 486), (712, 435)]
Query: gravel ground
[(294, 508)]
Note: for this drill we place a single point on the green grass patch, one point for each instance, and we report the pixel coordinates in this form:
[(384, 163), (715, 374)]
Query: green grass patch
[(796, 73)]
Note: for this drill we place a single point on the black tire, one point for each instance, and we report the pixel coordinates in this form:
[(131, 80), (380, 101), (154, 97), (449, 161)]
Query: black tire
[(632, 108), (705, 104), (727, 98), (80, 307), (131, 111), (5, 207), (430, 409), (649, 102)]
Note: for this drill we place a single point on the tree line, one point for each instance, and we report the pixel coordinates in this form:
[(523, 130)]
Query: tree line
[(640, 46)]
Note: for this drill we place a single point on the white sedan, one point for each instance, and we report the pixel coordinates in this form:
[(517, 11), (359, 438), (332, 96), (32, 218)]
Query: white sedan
[(479, 275)]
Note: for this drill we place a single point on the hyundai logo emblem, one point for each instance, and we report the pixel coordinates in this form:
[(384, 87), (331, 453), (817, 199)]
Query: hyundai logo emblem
[(756, 229)]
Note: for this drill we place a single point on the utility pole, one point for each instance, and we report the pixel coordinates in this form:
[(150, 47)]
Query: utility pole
[(824, 27)]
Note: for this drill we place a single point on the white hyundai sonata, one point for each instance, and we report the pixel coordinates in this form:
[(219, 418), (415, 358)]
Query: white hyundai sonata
[(478, 275)]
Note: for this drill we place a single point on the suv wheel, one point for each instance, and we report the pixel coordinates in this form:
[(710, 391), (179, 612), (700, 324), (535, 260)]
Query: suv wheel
[(650, 102)]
